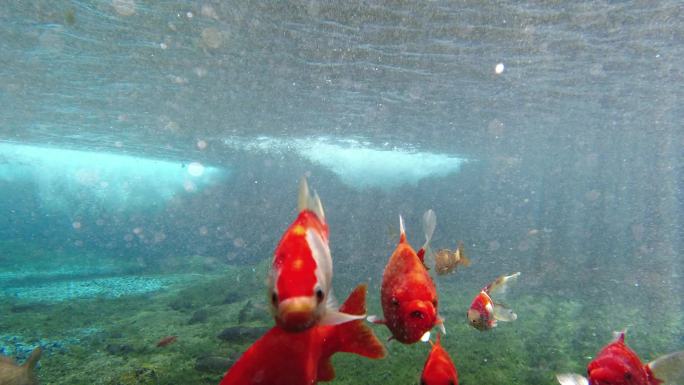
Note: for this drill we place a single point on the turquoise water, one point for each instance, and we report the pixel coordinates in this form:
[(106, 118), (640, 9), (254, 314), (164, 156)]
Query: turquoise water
[(150, 154)]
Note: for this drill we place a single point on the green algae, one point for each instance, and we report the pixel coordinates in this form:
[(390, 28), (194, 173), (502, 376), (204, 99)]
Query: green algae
[(554, 332)]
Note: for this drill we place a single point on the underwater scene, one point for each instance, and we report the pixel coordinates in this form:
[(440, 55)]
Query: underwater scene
[(300, 192)]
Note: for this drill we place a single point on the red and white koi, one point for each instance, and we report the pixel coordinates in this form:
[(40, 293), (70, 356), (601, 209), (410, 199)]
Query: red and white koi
[(301, 274), (280, 357), (484, 313)]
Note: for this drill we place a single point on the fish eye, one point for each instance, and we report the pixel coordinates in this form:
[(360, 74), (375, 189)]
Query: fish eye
[(417, 314), (274, 298), (319, 295), (395, 302)]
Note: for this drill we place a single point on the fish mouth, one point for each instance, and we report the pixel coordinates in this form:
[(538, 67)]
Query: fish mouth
[(298, 313)]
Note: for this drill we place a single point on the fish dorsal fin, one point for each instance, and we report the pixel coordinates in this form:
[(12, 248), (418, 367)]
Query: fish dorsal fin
[(571, 379), (500, 284), (402, 230), (503, 313), (619, 336), (306, 201), (669, 368), (32, 361)]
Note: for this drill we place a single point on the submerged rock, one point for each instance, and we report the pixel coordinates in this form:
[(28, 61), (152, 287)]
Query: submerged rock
[(119, 349), (241, 333), (13, 374), (139, 376), (231, 297), (213, 364), (200, 316), (250, 312)]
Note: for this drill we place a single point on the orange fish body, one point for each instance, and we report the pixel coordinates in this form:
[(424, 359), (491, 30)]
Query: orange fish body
[(408, 294), (303, 358), (439, 369), (301, 272), (617, 364)]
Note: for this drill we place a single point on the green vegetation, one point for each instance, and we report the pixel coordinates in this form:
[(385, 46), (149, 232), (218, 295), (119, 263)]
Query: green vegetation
[(112, 341)]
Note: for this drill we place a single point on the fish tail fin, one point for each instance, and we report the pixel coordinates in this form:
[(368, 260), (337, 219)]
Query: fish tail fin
[(669, 369), (355, 336), (402, 230), (429, 224), (500, 284), (307, 201), (465, 261), (32, 361)]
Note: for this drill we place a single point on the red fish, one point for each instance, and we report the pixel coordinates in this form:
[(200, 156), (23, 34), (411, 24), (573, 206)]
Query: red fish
[(483, 312), (303, 358), (301, 273), (439, 369), (166, 341), (408, 294), (617, 364)]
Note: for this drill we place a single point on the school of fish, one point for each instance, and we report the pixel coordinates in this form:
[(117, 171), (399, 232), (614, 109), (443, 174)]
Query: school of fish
[(309, 328)]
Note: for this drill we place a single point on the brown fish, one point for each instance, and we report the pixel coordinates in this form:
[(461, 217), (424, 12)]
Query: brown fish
[(446, 260), (13, 374), (166, 341)]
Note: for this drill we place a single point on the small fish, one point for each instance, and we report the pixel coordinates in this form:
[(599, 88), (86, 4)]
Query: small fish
[(13, 374), (408, 293), (439, 369), (446, 261), (301, 274), (483, 312), (166, 341), (617, 364), (280, 357)]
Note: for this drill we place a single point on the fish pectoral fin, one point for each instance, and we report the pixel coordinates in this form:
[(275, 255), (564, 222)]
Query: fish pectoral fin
[(504, 313), (333, 317), (425, 337), (374, 319), (440, 323), (669, 368), (32, 361), (571, 379)]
